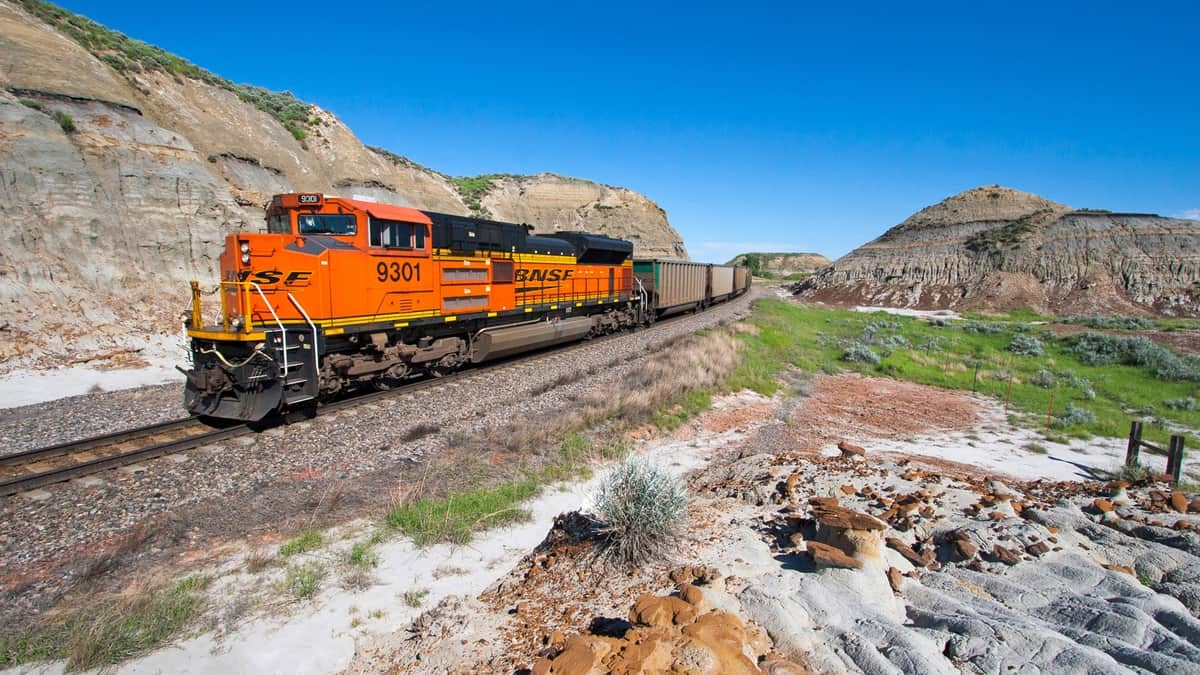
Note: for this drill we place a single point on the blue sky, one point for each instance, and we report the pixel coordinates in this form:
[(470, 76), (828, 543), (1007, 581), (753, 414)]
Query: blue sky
[(757, 126)]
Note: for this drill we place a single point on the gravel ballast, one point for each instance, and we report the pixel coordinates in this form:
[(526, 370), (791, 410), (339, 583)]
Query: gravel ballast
[(258, 484)]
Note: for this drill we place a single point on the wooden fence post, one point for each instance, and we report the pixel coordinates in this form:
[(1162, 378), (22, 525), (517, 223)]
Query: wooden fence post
[(1135, 443), (1175, 459)]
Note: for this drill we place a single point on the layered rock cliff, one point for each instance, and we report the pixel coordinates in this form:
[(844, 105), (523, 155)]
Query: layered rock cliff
[(122, 168), (781, 265), (998, 248)]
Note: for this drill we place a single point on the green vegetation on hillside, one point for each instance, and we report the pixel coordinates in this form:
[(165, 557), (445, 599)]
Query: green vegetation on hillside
[(475, 188), (1098, 382), (129, 56), (996, 240)]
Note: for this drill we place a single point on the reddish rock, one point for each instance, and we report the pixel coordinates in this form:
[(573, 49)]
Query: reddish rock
[(723, 636), (651, 610), (831, 556), (1158, 496), (1005, 555), (848, 489), (581, 655), (823, 501), (851, 450), (1102, 505), (1179, 502), (1123, 569), (1194, 507), (790, 486), (895, 579), (996, 515), (1038, 548), (843, 518), (691, 595), (1182, 525), (909, 554), (965, 549)]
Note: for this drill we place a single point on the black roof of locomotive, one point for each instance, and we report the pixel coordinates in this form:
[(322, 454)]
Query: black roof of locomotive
[(464, 233)]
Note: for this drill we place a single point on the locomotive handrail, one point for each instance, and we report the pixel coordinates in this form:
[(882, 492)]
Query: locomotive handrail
[(316, 345), (282, 330)]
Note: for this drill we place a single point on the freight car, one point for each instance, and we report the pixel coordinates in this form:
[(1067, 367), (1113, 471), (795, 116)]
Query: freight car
[(341, 294), (675, 286)]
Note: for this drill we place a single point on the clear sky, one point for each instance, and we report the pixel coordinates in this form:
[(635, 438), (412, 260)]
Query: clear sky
[(757, 126)]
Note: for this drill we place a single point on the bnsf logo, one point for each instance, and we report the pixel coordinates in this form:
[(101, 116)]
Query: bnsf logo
[(544, 275), (271, 277)]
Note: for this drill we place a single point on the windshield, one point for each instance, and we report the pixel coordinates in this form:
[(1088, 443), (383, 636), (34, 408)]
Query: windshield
[(277, 223), (326, 223)]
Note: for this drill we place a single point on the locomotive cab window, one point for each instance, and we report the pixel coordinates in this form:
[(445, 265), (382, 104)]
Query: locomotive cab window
[(326, 223), (278, 223), (397, 234)]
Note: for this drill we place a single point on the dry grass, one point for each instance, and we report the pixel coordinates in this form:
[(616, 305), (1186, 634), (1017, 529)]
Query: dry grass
[(258, 560), (480, 480)]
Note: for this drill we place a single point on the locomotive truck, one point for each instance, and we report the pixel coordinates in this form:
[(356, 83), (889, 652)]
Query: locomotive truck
[(341, 294)]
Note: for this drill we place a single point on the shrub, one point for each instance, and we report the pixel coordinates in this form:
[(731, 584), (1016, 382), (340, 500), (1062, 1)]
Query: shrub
[(1187, 403), (302, 581), (1026, 345), (65, 121), (308, 541), (860, 353), (1098, 349), (1072, 416), (985, 328), (642, 509), (1111, 322), (1044, 379)]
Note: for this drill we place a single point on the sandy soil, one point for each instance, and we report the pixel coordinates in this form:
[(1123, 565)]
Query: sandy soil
[(151, 363)]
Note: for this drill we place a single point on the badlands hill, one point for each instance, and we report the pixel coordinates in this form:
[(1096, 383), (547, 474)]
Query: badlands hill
[(122, 168), (999, 248), (781, 265)]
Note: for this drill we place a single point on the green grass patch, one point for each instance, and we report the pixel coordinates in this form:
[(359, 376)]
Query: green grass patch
[(309, 540), (416, 597), (106, 634), (454, 518), (971, 355), (680, 409), (303, 581)]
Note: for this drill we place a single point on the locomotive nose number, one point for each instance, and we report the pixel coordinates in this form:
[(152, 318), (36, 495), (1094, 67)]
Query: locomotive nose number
[(396, 271)]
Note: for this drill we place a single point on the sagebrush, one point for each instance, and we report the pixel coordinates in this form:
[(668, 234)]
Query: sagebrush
[(643, 510)]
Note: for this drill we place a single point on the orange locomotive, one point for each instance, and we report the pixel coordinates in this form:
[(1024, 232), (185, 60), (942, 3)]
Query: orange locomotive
[(341, 293)]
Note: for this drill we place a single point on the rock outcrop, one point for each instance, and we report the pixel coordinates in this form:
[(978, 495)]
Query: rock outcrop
[(998, 248), (781, 265), (123, 168)]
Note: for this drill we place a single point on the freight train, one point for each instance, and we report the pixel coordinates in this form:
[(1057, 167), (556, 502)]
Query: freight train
[(341, 294)]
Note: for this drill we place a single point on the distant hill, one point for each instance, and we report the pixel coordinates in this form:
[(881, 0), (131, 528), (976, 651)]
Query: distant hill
[(998, 248), (781, 265)]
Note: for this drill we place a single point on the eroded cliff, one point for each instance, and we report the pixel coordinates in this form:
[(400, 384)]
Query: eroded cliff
[(998, 248), (123, 168)]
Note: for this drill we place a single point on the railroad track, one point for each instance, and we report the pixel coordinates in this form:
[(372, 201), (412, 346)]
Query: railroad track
[(32, 469)]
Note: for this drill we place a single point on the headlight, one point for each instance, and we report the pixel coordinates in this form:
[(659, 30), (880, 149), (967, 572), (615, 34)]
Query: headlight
[(245, 258), (245, 247)]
